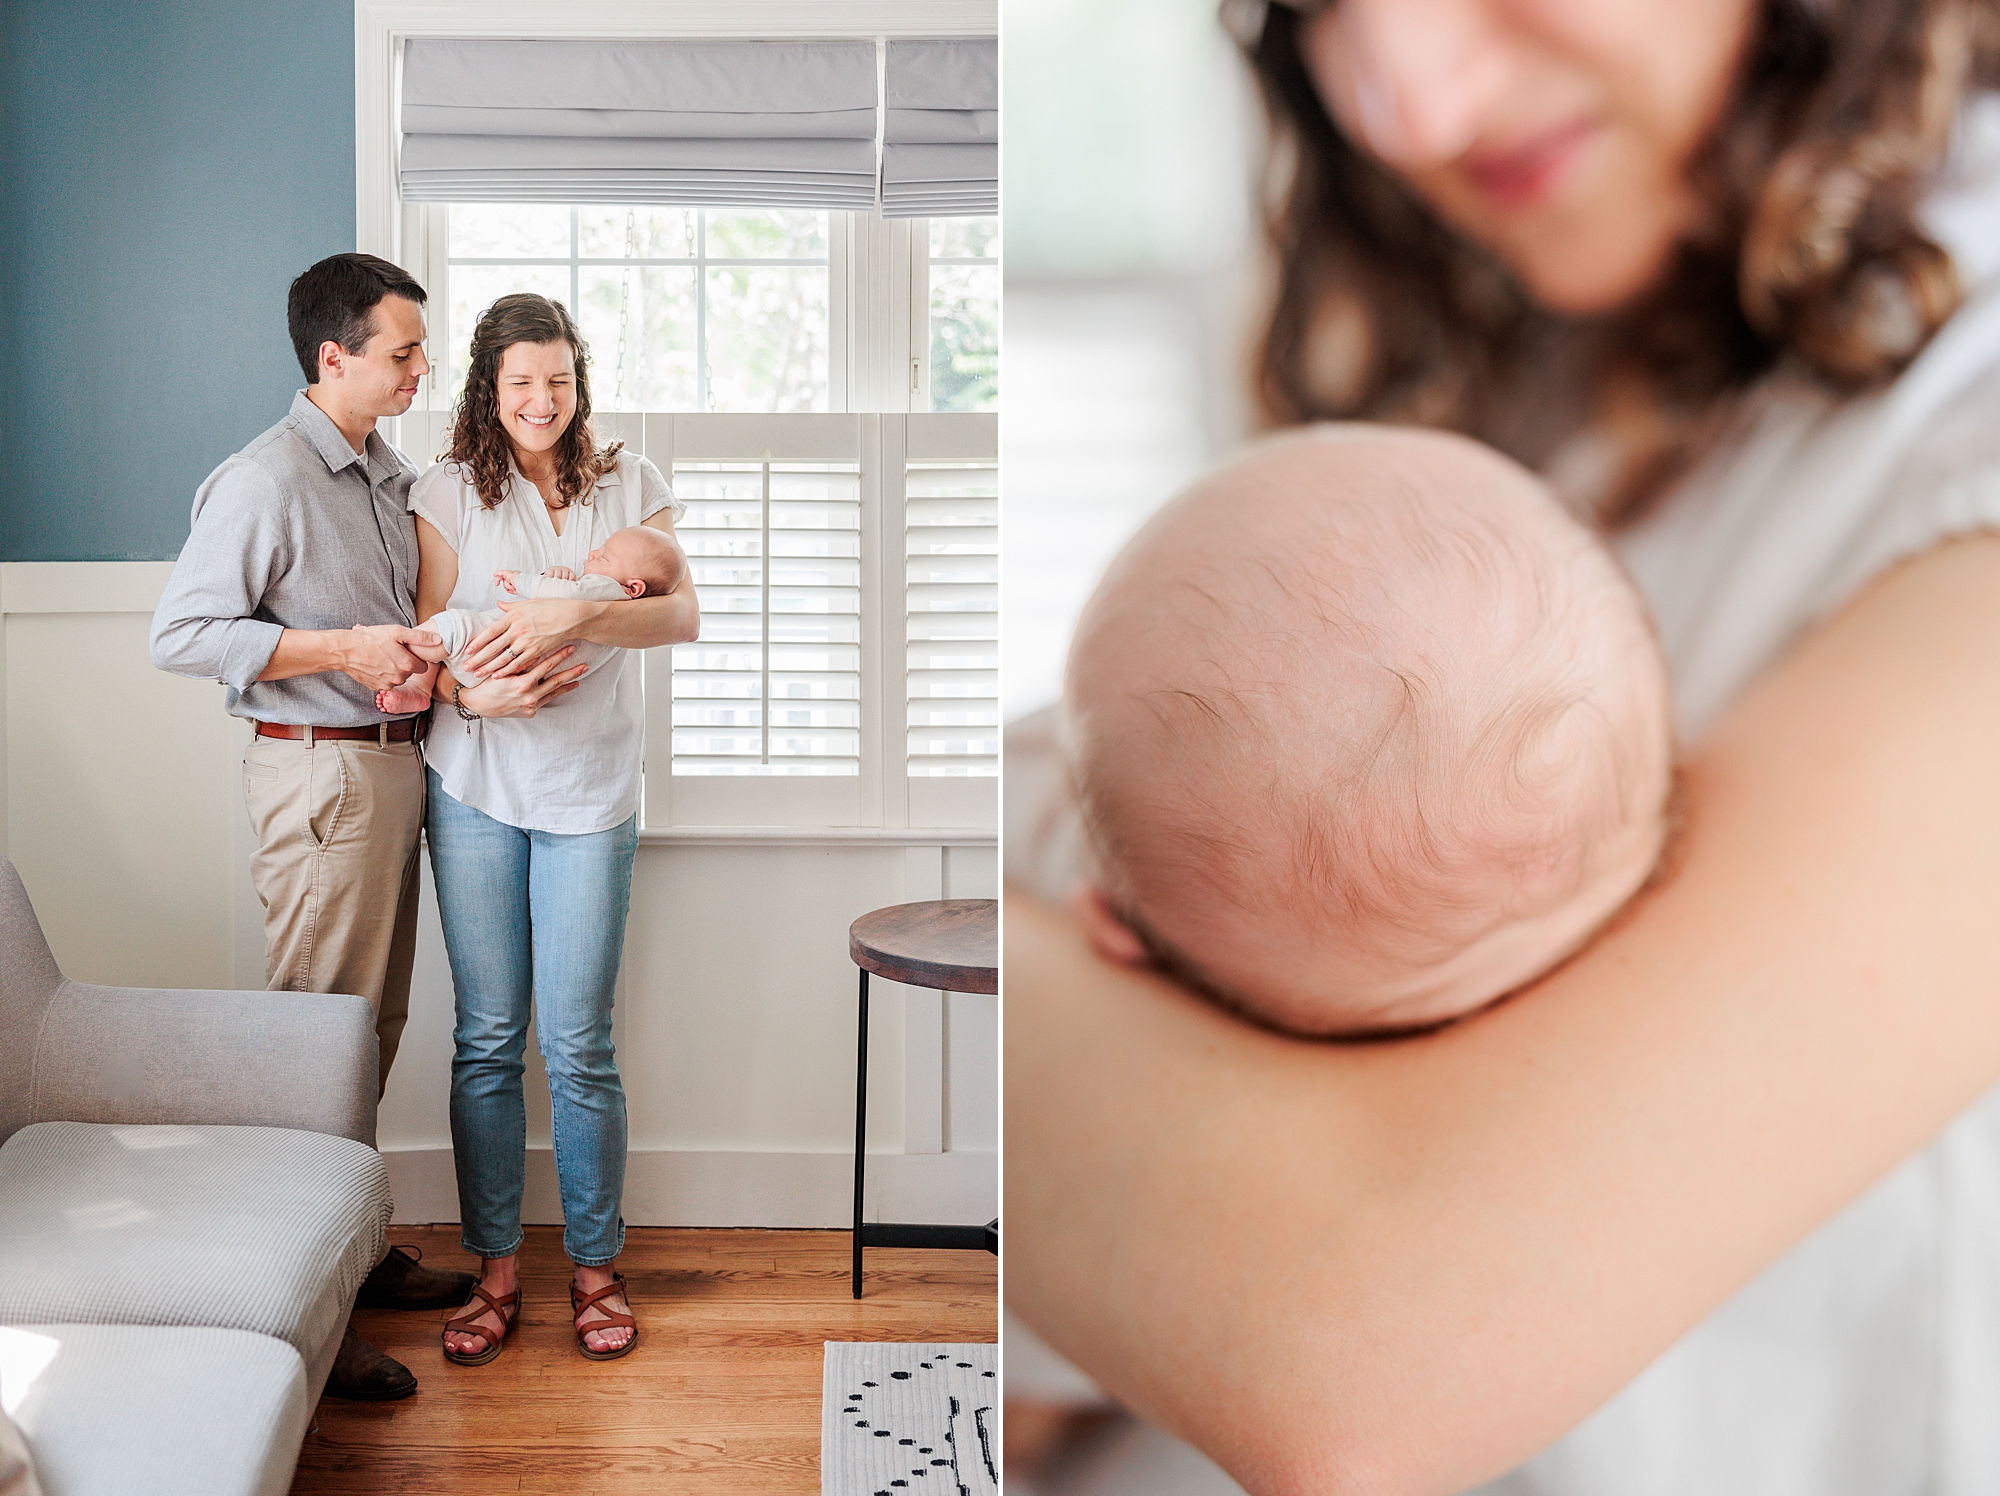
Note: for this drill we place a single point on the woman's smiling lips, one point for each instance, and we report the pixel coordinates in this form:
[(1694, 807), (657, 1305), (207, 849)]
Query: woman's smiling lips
[(1522, 175)]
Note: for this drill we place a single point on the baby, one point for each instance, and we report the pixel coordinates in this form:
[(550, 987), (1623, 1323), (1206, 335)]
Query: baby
[(633, 562), (1367, 733)]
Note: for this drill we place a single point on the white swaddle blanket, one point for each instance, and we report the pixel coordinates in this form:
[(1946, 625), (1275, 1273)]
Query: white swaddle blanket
[(458, 627)]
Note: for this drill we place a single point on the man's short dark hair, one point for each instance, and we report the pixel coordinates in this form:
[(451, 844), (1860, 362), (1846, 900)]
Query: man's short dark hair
[(335, 300)]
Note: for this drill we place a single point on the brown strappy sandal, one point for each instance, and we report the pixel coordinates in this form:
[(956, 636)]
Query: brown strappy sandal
[(580, 1301), (466, 1324)]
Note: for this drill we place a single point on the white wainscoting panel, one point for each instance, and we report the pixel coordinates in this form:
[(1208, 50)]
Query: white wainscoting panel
[(119, 781)]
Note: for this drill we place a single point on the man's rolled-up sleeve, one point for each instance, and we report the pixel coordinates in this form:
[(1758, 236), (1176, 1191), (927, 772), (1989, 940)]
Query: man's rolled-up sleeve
[(237, 545)]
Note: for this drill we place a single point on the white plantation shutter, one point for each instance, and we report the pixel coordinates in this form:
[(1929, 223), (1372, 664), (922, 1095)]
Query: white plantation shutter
[(773, 685), (952, 573), (847, 574)]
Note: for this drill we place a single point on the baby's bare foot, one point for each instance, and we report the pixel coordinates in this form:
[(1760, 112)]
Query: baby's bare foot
[(402, 699)]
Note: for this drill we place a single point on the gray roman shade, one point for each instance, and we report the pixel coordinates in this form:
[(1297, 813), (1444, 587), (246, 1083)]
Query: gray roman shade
[(941, 135), (723, 123)]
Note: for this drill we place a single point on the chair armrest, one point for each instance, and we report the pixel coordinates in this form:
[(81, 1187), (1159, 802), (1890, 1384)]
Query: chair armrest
[(305, 1060)]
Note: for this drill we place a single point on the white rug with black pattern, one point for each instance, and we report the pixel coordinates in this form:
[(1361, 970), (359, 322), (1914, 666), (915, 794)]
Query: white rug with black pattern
[(909, 1420)]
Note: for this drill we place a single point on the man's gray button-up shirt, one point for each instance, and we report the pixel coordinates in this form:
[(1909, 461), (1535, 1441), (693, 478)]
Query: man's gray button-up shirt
[(296, 531)]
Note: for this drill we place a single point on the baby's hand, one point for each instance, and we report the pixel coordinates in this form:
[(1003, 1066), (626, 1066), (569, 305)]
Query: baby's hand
[(504, 580), (560, 573)]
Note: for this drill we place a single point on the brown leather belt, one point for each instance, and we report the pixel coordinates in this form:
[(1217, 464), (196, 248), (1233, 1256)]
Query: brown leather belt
[(384, 732)]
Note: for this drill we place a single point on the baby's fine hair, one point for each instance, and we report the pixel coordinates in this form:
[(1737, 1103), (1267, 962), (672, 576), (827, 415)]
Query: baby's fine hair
[(663, 563), (1354, 699)]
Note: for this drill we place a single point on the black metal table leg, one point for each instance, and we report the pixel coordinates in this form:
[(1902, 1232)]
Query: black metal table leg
[(886, 1233), (860, 1125)]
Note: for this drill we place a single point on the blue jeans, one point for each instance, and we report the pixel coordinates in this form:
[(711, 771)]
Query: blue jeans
[(533, 917)]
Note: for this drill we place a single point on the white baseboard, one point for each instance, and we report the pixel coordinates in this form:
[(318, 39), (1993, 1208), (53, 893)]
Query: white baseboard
[(671, 1187)]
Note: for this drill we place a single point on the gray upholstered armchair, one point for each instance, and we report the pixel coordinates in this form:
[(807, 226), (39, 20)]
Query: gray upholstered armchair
[(189, 1199)]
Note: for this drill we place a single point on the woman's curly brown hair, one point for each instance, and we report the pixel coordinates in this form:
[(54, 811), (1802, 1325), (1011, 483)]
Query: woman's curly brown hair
[(480, 444), (1810, 254)]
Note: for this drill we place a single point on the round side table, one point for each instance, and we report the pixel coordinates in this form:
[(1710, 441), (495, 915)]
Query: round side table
[(950, 945)]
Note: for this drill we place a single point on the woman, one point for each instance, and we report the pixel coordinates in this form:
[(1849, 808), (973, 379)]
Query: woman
[(534, 797), (1700, 262)]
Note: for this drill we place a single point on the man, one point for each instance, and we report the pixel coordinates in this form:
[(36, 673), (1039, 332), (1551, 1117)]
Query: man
[(297, 591)]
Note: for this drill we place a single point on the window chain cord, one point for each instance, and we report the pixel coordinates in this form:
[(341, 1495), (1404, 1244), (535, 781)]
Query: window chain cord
[(625, 306), (701, 302)]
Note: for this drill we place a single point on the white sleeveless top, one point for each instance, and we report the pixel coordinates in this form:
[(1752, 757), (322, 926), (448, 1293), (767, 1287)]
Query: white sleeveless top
[(1866, 1361), (574, 766)]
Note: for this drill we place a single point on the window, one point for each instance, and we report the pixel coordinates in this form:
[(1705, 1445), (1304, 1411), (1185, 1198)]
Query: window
[(779, 369), (728, 310), (683, 308), (964, 281)]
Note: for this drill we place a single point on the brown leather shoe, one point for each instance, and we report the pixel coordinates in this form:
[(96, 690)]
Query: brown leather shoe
[(401, 1281), (363, 1374)]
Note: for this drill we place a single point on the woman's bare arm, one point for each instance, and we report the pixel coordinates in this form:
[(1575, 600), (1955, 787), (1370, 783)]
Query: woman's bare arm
[(534, 627), (1405, 1267), (437, 570)]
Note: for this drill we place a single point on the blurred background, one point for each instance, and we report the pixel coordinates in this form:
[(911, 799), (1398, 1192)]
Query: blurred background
[(1128, 139)]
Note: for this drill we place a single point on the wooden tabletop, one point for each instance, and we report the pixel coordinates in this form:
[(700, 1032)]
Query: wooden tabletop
[(953, 944)]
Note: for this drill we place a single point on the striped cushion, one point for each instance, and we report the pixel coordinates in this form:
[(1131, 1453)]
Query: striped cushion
[(241, 1228), (113, 1409)]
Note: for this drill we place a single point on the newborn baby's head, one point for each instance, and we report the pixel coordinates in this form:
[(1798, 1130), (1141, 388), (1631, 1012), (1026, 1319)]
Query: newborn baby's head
[(1367, 733), (644, 561)]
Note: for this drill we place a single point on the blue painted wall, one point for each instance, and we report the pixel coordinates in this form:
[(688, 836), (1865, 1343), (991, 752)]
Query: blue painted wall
[(170, 166)]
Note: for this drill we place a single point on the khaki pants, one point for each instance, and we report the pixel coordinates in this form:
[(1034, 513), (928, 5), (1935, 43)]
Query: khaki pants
[(336, 870)]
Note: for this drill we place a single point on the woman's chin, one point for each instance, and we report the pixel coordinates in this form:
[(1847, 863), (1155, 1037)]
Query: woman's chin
[(534, 438), (1567, 274), (1574, 290)]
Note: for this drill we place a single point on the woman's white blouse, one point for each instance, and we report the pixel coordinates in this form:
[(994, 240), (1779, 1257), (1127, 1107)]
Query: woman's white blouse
[(574, 766), (1866, 1361)]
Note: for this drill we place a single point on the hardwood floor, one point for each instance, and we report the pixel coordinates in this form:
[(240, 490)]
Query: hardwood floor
[(722, 1394)]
